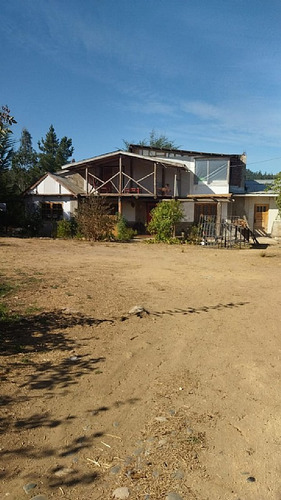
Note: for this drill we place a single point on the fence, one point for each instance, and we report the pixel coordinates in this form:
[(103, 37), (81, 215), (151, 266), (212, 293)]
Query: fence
[(227, 233)]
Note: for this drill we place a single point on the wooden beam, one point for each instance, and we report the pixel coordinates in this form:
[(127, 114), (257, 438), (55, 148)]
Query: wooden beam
[(87, 181), (154, 179), (120, 205), (120, 177)]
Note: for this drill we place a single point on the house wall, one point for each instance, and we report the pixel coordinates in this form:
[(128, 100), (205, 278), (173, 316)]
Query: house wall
[(245, 205), (47, 186), (129, 210), (69, 204)]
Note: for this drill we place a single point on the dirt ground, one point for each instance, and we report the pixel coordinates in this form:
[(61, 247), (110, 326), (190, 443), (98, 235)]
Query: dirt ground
[(180, 402)]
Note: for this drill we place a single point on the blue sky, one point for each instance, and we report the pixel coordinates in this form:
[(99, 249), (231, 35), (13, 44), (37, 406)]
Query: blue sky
[(205, 73)]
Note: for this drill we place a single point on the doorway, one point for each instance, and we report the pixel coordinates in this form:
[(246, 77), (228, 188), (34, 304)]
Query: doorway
[(261, 218)]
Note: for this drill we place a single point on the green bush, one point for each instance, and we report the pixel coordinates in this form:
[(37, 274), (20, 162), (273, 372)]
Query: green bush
[(123, 232), (66, 228), (164, 217)]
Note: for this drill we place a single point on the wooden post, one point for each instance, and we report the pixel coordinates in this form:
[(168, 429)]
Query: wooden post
[(154, 180), (87, 181), (119, 205), (120, 177), (175, 186), (218, 221)]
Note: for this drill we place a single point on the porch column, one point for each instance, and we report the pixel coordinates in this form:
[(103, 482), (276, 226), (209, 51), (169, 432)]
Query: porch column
[(218, 219), (154, 180), (119, 205), (87, 181), (120, 176)]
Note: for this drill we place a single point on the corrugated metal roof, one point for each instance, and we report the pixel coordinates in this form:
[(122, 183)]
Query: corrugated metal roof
[(258, 185)]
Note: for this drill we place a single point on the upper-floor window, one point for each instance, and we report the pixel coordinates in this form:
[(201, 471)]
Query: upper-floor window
[(211, 170)]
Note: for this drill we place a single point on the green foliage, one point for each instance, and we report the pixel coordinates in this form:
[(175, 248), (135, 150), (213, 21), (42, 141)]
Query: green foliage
[(251, 175), (66, 228), (124, 233), (54, 152), (164, 217), (94, 218), (155, 141), (6, 120), (276, 187), (24, 171)]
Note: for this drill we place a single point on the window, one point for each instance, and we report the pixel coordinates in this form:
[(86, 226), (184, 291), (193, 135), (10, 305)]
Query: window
[(210, 170), (51, 211), (204, 209)]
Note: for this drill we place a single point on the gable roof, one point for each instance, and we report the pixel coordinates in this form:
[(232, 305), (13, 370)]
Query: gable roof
[(66, 183), (115, 154)]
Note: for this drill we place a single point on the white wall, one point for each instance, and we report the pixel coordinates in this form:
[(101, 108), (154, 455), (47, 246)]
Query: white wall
[(129, 210), (249, 207), (68, 205), (49, 186)]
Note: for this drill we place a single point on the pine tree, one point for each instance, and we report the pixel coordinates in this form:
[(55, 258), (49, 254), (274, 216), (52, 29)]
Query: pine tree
[(48, 147), (24, 169), (54, 153)]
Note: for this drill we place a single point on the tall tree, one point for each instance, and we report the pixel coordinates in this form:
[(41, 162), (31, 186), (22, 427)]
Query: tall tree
[(6, 120), (54, 152), (6, 151), (25, 168), (156, 141)]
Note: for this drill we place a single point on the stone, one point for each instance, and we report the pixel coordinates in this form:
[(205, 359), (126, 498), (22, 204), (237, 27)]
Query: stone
[(178, 474), (251, 479), (138, 452), (63, 472), (115, 469), (121, 493), (161, 419), (28, 487), (137, 310), (173, 496), (39, 497)]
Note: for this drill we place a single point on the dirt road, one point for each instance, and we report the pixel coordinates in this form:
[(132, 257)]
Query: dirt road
[(180, 402)]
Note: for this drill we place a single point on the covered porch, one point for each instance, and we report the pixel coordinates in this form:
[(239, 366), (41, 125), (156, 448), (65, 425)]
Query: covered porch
[(126, 175)]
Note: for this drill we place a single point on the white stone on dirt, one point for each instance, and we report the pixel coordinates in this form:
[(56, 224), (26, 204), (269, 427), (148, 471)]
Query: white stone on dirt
[(121, 493), (28, 487), (63, 472), (137, 310), (173, 496)]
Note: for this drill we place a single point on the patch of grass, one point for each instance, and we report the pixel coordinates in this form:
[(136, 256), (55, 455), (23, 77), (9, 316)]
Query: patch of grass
[(32, 309), (5, 288), (6, 316), (3, 312)]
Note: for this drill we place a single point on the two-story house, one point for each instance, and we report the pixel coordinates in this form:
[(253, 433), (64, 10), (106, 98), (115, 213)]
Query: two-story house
[(135, 181)]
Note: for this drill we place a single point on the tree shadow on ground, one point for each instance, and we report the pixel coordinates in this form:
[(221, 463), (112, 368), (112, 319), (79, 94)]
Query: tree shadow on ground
[(49, 376), (38, 449), (35, 333), (198, 310)]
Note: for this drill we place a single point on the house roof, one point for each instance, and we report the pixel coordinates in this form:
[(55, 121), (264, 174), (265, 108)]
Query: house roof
[(258, 185), (67, 183), (182, 152), (115, 154)]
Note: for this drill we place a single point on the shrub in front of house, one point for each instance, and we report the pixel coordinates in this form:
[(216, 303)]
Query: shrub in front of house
[(122, 231), (66, 229), (94, 219), (163, 220)]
